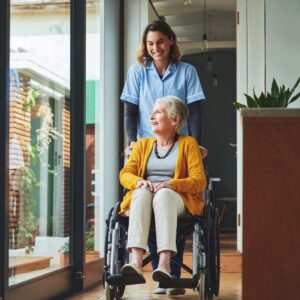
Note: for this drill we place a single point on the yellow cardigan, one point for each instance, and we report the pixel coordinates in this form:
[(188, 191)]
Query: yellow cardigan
[(189, 178)]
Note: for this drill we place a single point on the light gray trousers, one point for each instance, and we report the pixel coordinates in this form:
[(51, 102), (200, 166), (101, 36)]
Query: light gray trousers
[(166, 205)]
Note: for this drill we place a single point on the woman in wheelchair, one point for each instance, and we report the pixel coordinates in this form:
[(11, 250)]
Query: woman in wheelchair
[(165, 177)]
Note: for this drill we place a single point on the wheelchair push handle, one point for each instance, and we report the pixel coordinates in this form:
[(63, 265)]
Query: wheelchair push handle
[(211, 182)]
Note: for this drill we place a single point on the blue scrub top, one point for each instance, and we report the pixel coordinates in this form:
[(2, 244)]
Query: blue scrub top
[(143, 86)]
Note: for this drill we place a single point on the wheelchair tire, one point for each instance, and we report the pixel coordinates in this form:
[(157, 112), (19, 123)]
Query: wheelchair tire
[(114, 293), (204, 294), (215, 254), (121, 249), (106, 235)]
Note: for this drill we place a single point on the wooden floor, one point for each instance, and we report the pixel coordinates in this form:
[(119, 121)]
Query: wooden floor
[(230, 289), (230, 284)]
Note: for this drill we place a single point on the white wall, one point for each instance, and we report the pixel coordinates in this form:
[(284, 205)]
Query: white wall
[(107, 118), (138, 14), (242, 86), (268, 46), (255, 45), (283, 42)]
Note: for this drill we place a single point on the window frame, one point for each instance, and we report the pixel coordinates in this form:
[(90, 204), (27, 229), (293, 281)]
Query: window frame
[(4, 134)]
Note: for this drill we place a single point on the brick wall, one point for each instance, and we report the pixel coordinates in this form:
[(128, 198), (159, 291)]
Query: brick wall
[(19, 139)]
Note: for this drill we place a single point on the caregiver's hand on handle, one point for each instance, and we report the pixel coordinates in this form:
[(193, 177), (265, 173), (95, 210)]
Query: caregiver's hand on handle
[(129, 148), (204, 151)]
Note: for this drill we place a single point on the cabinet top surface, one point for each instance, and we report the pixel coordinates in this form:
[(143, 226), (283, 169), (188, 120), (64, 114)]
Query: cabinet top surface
[(270, 112)]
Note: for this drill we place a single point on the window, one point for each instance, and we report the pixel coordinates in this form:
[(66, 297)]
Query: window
[(39, 138)]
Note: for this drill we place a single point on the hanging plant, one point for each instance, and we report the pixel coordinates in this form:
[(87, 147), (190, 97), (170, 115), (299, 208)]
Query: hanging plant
[(29, 181), (31, 98), (47, 132)]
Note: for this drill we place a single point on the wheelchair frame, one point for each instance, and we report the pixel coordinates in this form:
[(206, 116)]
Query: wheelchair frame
[(206, 252)]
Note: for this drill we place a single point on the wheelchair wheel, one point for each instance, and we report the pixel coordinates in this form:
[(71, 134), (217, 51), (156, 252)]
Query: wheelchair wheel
[(107, 236), (215, 254), (114, 293), (123, 255), (204, 294), (116, 249)]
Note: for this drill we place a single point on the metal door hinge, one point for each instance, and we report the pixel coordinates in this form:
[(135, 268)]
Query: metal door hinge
[(237, 17)]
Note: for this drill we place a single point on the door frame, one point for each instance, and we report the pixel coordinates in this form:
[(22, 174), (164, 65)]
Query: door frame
[(4, 135)]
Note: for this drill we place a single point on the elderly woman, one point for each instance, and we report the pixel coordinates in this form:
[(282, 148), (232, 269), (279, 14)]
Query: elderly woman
[(164, 176)]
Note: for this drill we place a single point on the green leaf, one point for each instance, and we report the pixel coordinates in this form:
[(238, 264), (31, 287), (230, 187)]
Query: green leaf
[(295, 86), (262, 100), (274, 89), (266, 100), (238, 105), (254, 95), (31, 97), (287, 95), (294, 98), (251, 102), (275, 92), (282, 100)]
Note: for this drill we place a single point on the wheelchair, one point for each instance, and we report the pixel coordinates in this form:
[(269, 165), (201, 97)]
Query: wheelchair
[(205, 269)]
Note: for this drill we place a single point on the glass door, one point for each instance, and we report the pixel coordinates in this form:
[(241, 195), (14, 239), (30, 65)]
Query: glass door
[(39, 138), (39, 175), (50, 214)]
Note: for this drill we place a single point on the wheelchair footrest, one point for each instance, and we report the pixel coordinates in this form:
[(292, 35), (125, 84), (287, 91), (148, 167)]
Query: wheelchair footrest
[(116, 280), (185, 283)]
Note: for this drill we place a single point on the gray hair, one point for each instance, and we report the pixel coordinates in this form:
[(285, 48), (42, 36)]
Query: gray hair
[(174, 106)]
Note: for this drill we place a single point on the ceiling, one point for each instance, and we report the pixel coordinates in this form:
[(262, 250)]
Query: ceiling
[(188, 22)]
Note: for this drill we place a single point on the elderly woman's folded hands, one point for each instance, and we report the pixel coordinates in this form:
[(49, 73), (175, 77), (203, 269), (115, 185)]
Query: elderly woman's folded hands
[(153, 186)]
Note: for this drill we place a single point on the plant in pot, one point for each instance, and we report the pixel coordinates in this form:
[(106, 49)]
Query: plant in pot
[(277, 97), (64, 256), (90, 252)]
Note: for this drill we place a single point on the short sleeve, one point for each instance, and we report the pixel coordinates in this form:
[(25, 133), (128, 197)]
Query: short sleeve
[(131, 89), (194, 88)]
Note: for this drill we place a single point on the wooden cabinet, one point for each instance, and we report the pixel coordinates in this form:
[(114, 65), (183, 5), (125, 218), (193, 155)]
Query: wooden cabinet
[(271, 204)]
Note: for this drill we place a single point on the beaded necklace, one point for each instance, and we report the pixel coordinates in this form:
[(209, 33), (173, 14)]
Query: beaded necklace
[(168, 152)]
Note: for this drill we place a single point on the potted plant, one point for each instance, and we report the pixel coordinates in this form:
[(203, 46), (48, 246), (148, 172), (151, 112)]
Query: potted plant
[(278, 97), (64, 257), (90, 252), (268, 177)]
